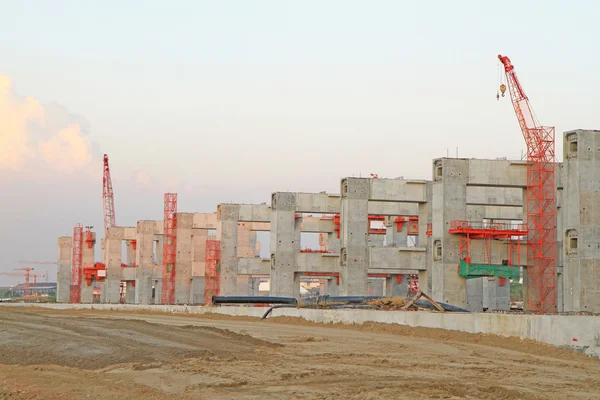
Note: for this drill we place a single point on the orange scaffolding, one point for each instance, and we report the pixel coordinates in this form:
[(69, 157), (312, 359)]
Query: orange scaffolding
[(468, 230)]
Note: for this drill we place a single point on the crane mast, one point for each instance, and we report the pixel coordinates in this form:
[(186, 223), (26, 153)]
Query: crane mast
[(107, 197), (541, 204)]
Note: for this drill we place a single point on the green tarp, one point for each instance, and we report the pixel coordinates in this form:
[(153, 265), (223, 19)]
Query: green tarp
[(471, 271)]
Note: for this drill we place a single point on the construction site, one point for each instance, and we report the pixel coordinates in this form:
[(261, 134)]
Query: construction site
[(371, 292)]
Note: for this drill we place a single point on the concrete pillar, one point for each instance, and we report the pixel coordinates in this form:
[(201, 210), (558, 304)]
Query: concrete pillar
[(475, 294), (113, 265), (63, 278), (449, 197), (285, 245), (496, 294), (144, 261), (157, 291), (393, 288), (130, 292), (87, 260), (244, 285), (581, 221), (183, 261), (354, 222), (197, 290), (424, 240), (227, 233), (330, 287)]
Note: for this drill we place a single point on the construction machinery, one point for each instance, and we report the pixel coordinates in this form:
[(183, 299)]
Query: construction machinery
[(26, 273), (107, 197), (541, 204)]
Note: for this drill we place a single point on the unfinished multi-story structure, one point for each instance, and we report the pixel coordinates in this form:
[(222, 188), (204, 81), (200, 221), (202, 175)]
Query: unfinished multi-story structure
[(467, 228)]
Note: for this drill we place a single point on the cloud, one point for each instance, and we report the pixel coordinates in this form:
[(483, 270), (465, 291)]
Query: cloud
[(31, 132)]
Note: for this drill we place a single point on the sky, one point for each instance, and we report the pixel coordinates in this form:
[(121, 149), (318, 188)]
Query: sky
[(229, 101)]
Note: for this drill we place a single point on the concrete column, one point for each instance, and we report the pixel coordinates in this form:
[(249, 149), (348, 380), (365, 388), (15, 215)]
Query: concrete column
[(63, 278), (425, 218), (285, 245), (87, 260), (354, 222), (199, 252), (144, 261), (113, 265), (581, 221), (330, 287), (183, 261), (475, 294), (227, 233), (244, 285), (197, 290), (130, 292), (395, 289), (449, 196), (496, 294), (157, 291)]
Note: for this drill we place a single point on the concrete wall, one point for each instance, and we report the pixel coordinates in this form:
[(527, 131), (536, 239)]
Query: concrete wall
[(581, 221)]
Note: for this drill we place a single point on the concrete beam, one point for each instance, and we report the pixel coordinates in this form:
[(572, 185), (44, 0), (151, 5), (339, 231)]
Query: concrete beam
[(399, 258), (317, 203), (411, 191)]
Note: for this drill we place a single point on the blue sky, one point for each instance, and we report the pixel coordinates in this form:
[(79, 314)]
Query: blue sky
[(231, 100)]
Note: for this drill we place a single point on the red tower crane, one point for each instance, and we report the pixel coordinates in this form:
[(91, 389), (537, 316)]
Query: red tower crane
[(27, 274), (107, 197), (541, 204), (76, 270)]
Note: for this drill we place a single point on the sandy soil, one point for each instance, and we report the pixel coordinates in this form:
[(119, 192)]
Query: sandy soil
[(118, 355)]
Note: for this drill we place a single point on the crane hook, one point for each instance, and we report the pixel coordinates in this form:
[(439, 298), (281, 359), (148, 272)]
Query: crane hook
[(502, 89), (497, 95)]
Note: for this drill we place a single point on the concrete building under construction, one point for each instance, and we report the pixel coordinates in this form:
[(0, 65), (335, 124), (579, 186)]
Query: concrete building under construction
[(463, 236)]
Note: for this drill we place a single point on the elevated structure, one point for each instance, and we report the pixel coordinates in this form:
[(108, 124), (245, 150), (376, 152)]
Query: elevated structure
[(464, 234)]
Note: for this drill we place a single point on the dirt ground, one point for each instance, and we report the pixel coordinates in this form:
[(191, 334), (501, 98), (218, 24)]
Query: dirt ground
[(120, 355)]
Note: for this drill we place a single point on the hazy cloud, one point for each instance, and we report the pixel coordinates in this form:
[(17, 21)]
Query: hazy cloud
[(32, 131)]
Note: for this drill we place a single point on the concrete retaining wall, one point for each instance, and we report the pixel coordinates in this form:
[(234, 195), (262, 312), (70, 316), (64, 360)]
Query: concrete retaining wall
[(580, 332)]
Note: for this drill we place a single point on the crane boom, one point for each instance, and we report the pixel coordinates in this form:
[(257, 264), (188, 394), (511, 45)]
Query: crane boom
[(541, 204), (107, 197)]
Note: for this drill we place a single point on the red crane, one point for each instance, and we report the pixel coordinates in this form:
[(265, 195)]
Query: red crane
[(541, 204), (107, 197), (27, 274), (76, 270)]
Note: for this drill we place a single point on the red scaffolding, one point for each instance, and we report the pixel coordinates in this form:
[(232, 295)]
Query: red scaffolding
[(169, 249), (76, 271), (468, 230), (212, 270), (541, 202)]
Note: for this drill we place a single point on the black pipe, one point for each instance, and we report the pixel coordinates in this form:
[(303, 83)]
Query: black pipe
[(253, 300), (321, 301), (265, 315)]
